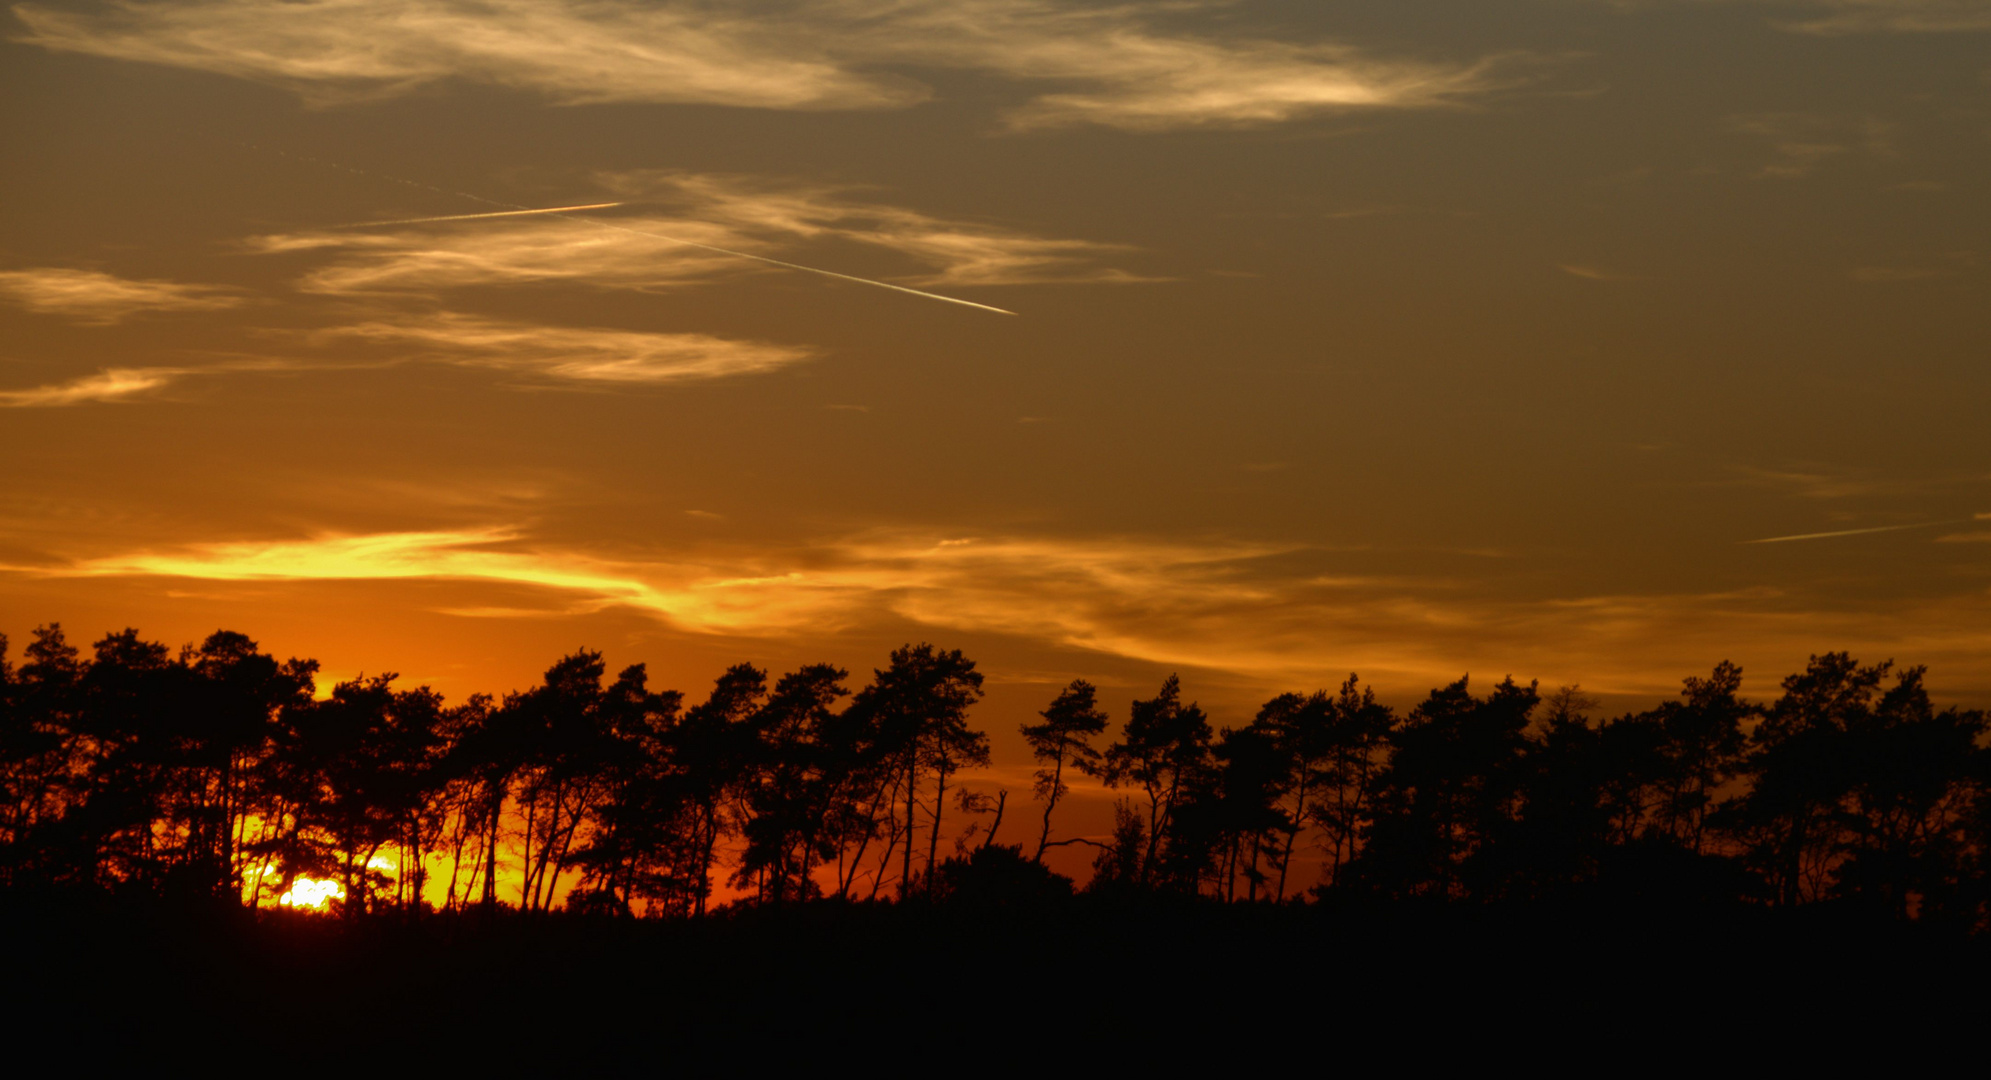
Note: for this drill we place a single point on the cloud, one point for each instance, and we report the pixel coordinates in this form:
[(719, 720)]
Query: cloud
[(641, 251), (573, 52), (1893, 16), (111, 384), (1267, 613), (95, 297), (1919, 267), (1801, 143), (573, 354), (1825, 482), (587, 356), (1143, 79), (1838, 17), (123, 384), (1109, 65)]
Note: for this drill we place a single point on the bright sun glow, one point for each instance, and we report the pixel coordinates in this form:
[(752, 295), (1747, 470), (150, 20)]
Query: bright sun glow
[(311, 894)]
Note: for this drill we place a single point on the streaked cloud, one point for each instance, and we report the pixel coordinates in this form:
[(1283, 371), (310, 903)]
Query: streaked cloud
[(1813, 481), (1838, 17), (1111, 65), (1144, 79), (578, 356), (586, 355), (1920, 267), (112, 384), (131, 383), (641, 251), (1266, 613), (572, 51), (1801, 143), (1891, 16), (95, 297)]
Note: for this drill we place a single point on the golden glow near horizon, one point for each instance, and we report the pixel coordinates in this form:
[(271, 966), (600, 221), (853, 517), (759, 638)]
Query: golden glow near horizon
[(312, 894), (1419, 340)]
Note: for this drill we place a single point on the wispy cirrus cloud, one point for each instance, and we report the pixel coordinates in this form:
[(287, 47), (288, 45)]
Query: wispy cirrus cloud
[(1801, 143), (1110, 65), (1891, 16), (1814, 481), (1837, 17), (111, 384), (573, 354), (1260, 611), (120, 384), (642, 251), (92, 296), (574, 52)]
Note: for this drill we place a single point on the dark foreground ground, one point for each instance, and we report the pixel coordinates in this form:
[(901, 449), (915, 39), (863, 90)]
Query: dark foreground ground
[(1081, 985)]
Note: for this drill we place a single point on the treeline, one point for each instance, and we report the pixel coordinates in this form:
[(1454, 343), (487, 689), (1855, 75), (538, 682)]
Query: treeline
[(216, 772)]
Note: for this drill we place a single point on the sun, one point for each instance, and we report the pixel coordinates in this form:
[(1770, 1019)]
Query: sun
[(311, 894)]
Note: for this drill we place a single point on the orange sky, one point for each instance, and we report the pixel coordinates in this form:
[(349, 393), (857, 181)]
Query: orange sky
[(1407, 339)]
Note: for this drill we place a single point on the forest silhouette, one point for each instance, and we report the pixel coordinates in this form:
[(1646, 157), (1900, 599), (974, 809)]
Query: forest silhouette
[(594, 873), (217, 773)]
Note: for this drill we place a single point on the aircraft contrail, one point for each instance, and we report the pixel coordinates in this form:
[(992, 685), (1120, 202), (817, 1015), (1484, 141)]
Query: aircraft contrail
[(473, 217), (1852, 532), (511, 209)]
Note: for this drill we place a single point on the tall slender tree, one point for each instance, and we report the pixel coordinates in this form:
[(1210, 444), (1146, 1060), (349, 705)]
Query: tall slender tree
[(1070, 723)]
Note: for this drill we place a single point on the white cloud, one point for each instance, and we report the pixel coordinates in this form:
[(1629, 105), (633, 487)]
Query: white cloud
[(588, 355), (573, 51), (1893, 16), (124, 384), (1111, 65), (112, 384), (1833, 17), (95, 297), (641, 251), (1800, 143)]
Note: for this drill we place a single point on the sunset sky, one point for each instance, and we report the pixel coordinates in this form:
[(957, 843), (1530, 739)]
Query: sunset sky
[(1590, 342)]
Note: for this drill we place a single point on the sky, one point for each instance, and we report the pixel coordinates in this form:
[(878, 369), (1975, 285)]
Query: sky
[(1589, 342)]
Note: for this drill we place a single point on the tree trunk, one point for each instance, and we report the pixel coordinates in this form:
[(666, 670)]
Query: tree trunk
[(1057, 780), (1002, 799), (933, 841), (906, 871), (491, 856)]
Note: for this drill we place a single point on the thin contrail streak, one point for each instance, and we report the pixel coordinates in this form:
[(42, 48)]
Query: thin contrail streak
[(514, 207), (473, 217), (1849, 532)]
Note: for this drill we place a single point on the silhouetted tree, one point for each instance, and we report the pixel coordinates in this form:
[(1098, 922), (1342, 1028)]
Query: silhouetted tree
[(793, 783), (1789, 821), (1236, 811), (634, 850), (1163, 750), (1704, 744), (212, 772), (1915, 777), (710, 750), (1065, 737), (1357, 735), (1449, 793), (918, 709)]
